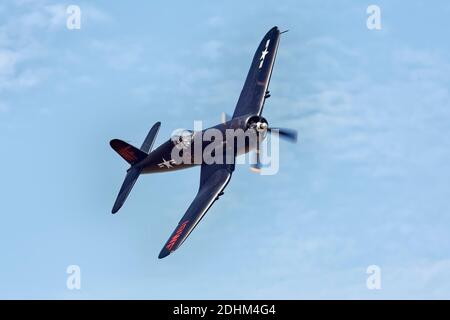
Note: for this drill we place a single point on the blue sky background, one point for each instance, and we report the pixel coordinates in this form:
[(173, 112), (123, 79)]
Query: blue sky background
[(368, 183)]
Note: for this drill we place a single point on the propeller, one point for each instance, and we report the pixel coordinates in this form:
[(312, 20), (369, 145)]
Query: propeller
[(286, 134), (261, 127), (256, 164)]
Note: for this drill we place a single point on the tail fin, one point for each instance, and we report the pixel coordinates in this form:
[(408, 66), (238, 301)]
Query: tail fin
[(131, 154), (150, 139)]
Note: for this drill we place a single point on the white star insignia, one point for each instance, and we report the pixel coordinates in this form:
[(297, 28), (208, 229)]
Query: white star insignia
[(263, 54), (166, 163)]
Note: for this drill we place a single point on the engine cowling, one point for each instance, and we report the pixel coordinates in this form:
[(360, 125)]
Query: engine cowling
[(257, 123)]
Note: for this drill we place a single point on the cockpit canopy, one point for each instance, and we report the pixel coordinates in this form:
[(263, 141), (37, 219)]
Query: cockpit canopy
[(182, 138)]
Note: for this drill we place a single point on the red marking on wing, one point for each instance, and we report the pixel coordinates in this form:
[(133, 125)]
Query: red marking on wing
[(176, 236)]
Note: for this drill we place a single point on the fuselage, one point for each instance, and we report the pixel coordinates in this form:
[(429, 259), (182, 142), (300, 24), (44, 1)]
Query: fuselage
[(223, 142)]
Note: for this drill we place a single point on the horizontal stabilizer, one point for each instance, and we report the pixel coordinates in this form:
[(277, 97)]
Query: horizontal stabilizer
[(130, 180), (131, 154)]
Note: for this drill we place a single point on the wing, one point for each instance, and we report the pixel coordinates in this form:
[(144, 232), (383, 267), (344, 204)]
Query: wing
[(251, 100), (213, 180)]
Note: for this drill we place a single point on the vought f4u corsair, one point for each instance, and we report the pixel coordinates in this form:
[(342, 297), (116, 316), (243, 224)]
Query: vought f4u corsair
[(247, 126)]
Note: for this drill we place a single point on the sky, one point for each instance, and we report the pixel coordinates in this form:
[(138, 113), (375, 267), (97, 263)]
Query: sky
[(367, 183)]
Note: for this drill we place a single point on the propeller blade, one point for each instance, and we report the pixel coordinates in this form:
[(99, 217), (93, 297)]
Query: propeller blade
[(287, 134), (256, 164)]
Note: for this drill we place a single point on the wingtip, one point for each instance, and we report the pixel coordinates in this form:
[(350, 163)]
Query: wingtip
[(157, 125), (274, 29), (113, 142), (164, 253), (116, 208)]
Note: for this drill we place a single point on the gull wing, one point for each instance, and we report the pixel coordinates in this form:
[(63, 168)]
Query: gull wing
[(254, 92), (213, 180)]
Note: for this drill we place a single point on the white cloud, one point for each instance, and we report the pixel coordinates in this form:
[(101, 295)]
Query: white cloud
[(116, 56), (91, 13), (57, 15), (21, 46)]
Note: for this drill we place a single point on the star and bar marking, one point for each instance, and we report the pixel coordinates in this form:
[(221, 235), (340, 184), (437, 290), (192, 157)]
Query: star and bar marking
[(263, 54), (166, 163)]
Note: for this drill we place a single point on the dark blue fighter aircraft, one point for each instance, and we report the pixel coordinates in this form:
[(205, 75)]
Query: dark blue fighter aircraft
[(214, 177)]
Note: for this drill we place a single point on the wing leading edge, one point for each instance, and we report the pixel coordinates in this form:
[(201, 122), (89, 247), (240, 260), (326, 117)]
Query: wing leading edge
[(213, 180)]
